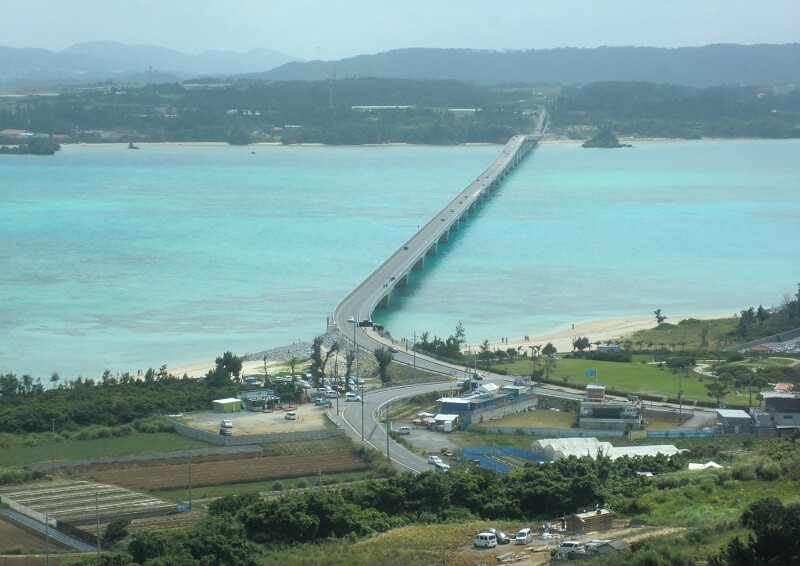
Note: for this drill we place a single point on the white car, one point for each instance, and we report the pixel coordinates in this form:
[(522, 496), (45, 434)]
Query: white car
[(434, 460), (290, 416), (570, 546), (226, 424), (524, 536), (351, 318)]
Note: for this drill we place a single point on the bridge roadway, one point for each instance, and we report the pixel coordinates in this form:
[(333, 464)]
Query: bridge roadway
[(375, 291)]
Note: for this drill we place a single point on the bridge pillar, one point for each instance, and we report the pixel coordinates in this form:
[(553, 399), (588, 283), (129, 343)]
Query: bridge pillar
[(444, 237), (402, 282), (432, 250), (464, 216), (419, 264), (384, 302), (454, 226)]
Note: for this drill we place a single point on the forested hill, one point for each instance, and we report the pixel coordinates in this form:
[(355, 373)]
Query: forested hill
[(690, 66)]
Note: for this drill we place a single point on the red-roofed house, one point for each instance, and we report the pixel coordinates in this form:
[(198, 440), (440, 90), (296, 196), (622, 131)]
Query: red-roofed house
[(784, 387), (16, 134)]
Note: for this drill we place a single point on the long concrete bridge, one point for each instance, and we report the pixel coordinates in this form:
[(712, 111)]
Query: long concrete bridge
[(375, 291)]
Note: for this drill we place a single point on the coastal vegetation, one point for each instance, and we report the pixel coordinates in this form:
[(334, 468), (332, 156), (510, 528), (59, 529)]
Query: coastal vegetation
[(381, 110), (31, 146), (714, 515), (604, 138)]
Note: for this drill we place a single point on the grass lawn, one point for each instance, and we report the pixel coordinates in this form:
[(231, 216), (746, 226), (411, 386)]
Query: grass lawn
[(688, 332), (99, 448), (635, 378), (448, 543)]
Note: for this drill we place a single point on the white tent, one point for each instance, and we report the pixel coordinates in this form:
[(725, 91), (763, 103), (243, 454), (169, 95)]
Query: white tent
[(559, 448)]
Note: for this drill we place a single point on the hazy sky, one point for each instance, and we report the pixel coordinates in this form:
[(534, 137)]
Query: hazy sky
[(344, 28)]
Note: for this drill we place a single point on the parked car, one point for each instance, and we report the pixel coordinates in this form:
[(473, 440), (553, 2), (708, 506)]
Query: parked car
[(352, 397), (524, 536), (290, 416), (322, 402), (225, 432), (485, 540), (570, 546), (226, 424), (442, 468), (403, 430), (434, 459)]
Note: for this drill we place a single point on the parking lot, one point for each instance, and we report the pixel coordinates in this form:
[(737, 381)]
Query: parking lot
[(309, 417)]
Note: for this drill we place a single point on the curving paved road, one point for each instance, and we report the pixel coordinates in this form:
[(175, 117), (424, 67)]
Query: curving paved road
[(372, 408)]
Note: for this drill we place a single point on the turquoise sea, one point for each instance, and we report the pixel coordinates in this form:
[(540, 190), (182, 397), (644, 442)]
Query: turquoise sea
[(123, 260)]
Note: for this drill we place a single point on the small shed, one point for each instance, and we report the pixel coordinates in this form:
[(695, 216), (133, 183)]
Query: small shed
[(595, 392), (229, 405), (590, 521), (734, 420), (446, 423), (606, 348)]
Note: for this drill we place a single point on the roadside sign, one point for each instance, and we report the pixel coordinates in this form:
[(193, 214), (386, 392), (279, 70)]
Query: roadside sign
[(591, 373)]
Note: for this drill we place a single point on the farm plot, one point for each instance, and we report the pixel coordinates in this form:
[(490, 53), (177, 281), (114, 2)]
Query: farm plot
[(81, 502), (17, 539), (218, 469)]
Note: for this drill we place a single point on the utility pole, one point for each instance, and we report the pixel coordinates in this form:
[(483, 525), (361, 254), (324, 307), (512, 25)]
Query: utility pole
[(190, 479), (362, 413), (388, 427), (97, 518), (414, 350), (53, 450)]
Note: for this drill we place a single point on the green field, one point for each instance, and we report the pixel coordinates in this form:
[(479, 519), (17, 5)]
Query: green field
[(635, 377), (685, 334), (99, 448)]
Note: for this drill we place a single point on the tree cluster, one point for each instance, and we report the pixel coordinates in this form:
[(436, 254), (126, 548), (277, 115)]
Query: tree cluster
[(237, 525), (662, 110), (26, 406), (448, 348)]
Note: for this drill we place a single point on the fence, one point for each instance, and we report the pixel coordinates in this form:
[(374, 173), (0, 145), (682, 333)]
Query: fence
[(487, 456), (220, 440), (782, 337), (557, 432), (682, 433)]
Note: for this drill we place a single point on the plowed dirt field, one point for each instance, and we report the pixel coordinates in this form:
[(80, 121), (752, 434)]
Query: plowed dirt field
[(217, 469)]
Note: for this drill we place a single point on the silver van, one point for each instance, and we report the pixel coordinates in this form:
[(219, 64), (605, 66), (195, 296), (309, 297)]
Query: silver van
[(524, 536), (570, 546), (403, 430), (441, 468), (486, 540)]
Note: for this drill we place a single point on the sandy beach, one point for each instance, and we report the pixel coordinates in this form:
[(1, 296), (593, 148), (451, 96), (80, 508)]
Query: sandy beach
[(596, 331), (603, 331)]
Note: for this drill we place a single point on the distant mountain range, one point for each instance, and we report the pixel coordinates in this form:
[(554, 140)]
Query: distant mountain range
[(107, 60), (710, 65)]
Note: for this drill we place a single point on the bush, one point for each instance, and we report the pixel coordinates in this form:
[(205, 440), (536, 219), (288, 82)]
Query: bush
[(768, 470), (124, 430), (744, 472), (277, 486), (302, 483)]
